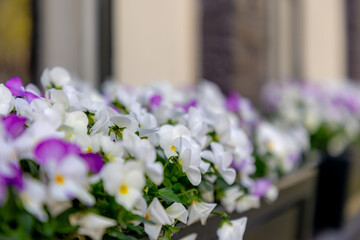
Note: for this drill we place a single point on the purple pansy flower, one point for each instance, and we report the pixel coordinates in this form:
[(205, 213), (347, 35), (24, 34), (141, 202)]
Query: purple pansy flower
[(187, 106), (261, 186), (15, 179), (94, 161), (232, 102), (14, 125), (155, 101), (29, 96), (238, 165), (17, 89), (54, 149)]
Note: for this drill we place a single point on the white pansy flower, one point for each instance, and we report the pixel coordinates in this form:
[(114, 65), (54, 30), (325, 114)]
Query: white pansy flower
[(78, 122), (157, 214), (168, 134), (55, 77), (91, 224), (247, 202), (230, 198), (145, 119), (223, 128), (222, 161), (33, 196), (57, 207), (198, 127), (177, 211), (119, 181), (272, 194), (6, 100), (144, 152), (125, 121), (235, 231), (200, 211), (68, 179), (191, 236), (189, 159), (102, 120), (59, 97)]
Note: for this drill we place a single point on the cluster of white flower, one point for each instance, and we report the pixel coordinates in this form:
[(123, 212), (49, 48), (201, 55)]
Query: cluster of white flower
[(133, 160), (331, 113)]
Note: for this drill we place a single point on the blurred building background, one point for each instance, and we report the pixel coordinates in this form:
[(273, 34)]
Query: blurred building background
[(239, 44)]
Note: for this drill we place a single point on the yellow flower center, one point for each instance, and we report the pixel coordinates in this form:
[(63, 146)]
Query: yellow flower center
[(59, 179), (110, 157), (173, 148), (123, 189), (25, 199), (70, 136), (270, 146), (13, 155), (147, 216), (89, 149)]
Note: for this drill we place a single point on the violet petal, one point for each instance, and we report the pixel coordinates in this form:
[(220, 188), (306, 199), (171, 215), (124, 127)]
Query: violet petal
[(29, 96), (192, 103), (52, 148), (94, 161), (155, 100), (14, 125), (232, 102), (261, 186), (15, 86), (16, 178)]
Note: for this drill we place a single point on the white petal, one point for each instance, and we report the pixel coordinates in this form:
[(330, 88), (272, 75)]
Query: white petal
[(228, 175), (194, 175), (191, 236), (177, 211), (153, 230), (157, 213), (155, 172)]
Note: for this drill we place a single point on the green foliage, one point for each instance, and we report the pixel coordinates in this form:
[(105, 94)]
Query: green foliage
[(261, 168)]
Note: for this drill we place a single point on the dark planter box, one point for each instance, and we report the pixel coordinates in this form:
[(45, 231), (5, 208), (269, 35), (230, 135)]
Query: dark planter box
[(331, 190), (290, 217), (338, 193)]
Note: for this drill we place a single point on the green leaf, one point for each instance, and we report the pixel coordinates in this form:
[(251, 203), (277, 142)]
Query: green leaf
[(168, 195)]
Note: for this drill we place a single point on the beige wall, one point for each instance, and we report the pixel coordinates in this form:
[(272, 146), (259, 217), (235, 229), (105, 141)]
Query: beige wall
[(155, 40), (68, 37), (324, 49)]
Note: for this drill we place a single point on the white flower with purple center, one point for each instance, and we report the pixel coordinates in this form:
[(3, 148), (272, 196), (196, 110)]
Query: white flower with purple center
[(17, 89), (66, 169)]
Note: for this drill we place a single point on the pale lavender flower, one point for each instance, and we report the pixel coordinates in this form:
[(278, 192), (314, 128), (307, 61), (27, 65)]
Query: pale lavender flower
[(232, 102), (261, 186)]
